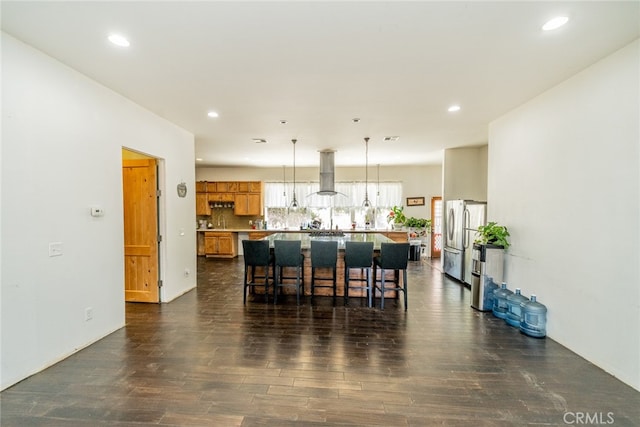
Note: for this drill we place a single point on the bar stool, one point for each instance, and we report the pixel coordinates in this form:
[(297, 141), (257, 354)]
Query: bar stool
[(288, 254), (324, 254), (358, 255), (256, 254), (393, 256)]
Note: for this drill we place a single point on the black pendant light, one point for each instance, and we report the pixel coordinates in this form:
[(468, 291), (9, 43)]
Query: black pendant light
[(366, 203)]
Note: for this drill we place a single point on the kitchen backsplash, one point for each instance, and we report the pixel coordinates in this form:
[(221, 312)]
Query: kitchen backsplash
[(224, 217)]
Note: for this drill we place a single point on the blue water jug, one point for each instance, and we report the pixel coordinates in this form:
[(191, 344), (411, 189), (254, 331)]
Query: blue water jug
[(489, 287), (500, 301), (514, 316), (534, 318)]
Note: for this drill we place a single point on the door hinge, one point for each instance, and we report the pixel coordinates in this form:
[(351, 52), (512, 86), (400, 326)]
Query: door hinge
[(158, 193), (159, 238), (159, 283)]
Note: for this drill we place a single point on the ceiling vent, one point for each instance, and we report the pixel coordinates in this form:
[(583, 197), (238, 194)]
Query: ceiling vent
[(391, 138)]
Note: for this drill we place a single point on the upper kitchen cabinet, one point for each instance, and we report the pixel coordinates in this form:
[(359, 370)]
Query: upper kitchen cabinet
[(202, 199), (201, 186), (248, 204), (249, 187), (246, 196), (202, 204), (221, 197)]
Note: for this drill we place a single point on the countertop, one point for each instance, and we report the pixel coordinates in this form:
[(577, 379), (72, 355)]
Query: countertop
[(273, 230), (305, 239)]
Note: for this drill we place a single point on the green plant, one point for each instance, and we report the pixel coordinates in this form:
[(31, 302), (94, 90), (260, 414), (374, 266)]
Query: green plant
[(494, 234), (418, 223), (396, 215)]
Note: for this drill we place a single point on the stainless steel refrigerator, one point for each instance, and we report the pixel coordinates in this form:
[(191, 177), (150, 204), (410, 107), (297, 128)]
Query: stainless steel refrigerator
[(463, 217)]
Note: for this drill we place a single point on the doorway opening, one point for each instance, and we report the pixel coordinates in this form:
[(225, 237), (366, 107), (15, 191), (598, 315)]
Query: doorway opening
[(436, 227), (142, 237)]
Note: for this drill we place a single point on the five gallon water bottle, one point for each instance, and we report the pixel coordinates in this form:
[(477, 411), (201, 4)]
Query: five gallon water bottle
[(489, 287), (534, 318), (500, 301), (514, 317)]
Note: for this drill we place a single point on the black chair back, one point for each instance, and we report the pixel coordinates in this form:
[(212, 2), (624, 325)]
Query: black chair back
[(287, 252), (394, 256), (358, 254), (256, 252), (324, 253)]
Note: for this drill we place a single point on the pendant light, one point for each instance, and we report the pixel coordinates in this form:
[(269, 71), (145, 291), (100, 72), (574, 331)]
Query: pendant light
[(378, 190), (294, 201), (366, 203)]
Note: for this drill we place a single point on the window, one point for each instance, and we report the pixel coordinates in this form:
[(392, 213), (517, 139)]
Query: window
[(341, 210)]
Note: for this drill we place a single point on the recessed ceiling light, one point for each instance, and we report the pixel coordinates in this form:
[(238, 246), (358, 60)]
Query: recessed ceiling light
[(554, 23), (283, 122), (356, 120), (453, 108), (198, 159), (119, 40), (212, 114), (259, 140), (390, 138)]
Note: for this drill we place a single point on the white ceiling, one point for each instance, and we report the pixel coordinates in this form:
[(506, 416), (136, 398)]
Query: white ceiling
[(397, 66)]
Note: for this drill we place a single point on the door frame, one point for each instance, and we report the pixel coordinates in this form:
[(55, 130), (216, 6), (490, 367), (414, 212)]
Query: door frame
[(433, 252), (160, 211)]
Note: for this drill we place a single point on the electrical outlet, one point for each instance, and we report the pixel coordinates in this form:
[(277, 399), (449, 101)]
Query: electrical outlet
[(88, 314), (187, 272)]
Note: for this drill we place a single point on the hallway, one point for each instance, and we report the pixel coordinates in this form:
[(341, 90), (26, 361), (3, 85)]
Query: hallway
[(205, 360)]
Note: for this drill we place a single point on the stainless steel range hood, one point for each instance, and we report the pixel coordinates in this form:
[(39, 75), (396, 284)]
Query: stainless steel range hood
[(327, 173)]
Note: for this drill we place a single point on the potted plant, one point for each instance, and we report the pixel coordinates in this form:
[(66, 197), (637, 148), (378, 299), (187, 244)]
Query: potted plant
[(421, 226), (397, 217), (418, 227), (493, 234)]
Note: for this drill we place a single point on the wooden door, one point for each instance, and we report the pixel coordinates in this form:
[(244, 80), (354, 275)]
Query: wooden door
[(436, 227), (140, 230)]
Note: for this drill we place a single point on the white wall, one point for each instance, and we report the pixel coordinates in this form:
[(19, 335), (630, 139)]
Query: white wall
[(62, 136), (417, 181), (464, 173), (564, 177)]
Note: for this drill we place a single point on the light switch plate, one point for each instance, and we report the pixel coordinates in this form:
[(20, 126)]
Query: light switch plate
[(97, 211)]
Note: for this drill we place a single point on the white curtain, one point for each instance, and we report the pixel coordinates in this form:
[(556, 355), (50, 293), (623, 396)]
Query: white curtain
[(350, 194)]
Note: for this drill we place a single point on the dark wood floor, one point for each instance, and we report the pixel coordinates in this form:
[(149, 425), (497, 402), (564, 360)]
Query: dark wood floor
[(205, 360)]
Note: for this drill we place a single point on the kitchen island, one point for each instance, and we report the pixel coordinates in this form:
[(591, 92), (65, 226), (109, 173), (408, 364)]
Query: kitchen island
[(340, 237), (306, 238), (210, 244)]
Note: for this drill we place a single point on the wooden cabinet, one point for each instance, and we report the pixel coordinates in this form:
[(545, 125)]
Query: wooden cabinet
[(246, 196), (202, 204), (218, 187), (220, 244), (201, 186), (249, 187), (221, 197), (248, 204)]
